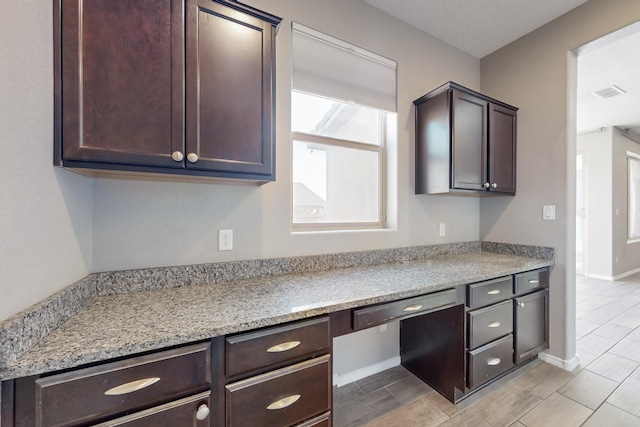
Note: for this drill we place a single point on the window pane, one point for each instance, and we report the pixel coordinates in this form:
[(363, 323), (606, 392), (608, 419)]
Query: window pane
[(327, 117), (329, 188)]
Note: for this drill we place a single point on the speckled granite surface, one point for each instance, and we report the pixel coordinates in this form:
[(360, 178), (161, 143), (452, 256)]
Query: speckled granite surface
[(117, 324)]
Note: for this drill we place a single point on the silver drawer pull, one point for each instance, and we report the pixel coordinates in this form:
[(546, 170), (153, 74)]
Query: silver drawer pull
[(520, 304), (132, 386), (414, 307), (283, 347), (494, 361), (534, 281), (493, 292), (493, 325), (284, 402)]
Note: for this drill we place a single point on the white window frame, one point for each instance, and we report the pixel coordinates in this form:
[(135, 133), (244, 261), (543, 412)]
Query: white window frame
[(631, 157), (336, 142)]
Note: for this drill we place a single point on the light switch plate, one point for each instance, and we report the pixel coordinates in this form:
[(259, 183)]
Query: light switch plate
[(549, 212)]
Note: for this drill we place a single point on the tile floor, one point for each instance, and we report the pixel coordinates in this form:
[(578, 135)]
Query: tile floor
[(603, 391)]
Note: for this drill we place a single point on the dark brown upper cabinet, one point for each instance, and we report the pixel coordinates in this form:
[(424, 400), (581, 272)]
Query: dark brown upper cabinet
[(465, 143), (165, 86)]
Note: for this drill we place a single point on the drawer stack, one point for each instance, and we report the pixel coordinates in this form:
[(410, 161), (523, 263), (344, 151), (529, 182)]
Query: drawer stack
[(490, 330), (279, 376)]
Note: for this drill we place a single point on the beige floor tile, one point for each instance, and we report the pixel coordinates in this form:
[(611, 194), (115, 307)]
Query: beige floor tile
[(609, 415), (583, 327), (409, 389), (517, 424), (630, 318), (586, 358), (556, 411), (437, 400), (365, 408), (594, 344), (627, 396), (419, 413), (612, 331), (612, 366), (505, 406), (465, 419), (635, 335), (543, 380), (346, 393), (382, 379), (588, 389), (627, 348)]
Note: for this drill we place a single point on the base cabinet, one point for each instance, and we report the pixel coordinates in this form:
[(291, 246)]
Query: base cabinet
[(531, 325), (459, 350)]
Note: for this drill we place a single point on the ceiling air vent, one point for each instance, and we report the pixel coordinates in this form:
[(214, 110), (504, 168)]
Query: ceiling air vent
[(609, 92)]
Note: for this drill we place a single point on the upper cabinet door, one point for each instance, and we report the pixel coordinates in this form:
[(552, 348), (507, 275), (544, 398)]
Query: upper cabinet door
[(230, 89), (502, 149), (469, 140), (121, 81)]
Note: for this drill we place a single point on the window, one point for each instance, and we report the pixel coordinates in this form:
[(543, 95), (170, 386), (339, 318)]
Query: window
[(342, 102)]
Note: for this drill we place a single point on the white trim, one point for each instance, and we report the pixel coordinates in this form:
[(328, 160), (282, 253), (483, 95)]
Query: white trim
[(599, 276), (567, 365), (358, 374), (613, 278), (628, 273)]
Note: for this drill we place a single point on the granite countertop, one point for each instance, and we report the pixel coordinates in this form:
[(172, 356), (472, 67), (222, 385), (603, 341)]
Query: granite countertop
[(117, 325)]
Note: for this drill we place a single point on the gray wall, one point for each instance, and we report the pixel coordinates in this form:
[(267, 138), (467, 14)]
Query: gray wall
[(538, 74), (57, 226), (45, 213)]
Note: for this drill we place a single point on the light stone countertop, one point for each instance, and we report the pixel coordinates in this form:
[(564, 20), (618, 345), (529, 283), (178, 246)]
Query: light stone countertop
[(124, 324)]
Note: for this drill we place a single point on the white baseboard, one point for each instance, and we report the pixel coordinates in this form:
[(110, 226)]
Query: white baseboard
[(628, 273), (612, 278), (358, 374), (567, 365)]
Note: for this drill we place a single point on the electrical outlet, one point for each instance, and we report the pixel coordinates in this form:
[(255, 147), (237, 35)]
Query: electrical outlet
[(442, 229), (225, 240)]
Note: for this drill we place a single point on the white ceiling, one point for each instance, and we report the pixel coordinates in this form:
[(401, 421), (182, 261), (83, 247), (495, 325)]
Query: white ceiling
[(480, 27), (616, 63)]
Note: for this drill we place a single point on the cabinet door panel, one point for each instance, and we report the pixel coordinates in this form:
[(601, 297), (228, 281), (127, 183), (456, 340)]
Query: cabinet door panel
[(229, 90), (122, 81), (469, 157), (502, 149), (531, 325)]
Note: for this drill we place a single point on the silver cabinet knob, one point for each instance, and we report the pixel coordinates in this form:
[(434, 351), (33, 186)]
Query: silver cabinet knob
[(177, 156), (520, 304), (192, 157), (202, 413), (494, 185), (487, 185)]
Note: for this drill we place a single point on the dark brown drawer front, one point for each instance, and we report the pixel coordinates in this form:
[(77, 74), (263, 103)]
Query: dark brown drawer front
[(282, 397), (323, 420), (255, 350), (92, 393), (489, 361), (191, 411), (485, 293), (383, 313), (488, 324), (531, 280)]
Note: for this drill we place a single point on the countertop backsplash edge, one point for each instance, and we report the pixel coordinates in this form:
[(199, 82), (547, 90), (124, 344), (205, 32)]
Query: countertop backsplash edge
[(26, 329)]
